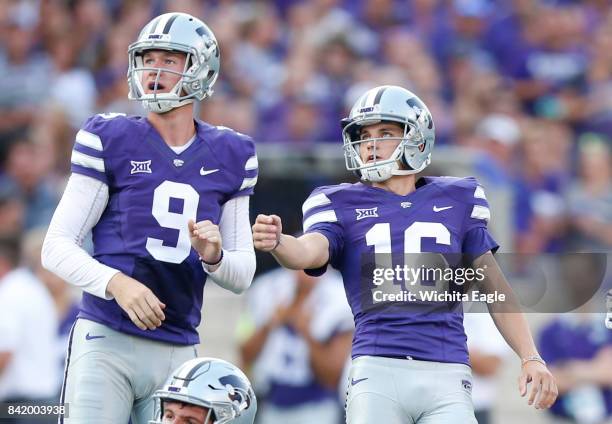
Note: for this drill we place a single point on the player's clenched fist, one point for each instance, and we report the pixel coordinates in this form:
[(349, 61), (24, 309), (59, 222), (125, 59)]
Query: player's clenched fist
[(206, 240), (266, 232)]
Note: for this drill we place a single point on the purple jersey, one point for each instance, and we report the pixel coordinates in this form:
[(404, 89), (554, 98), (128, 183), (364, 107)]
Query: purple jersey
[(153, 192), (443, 215)]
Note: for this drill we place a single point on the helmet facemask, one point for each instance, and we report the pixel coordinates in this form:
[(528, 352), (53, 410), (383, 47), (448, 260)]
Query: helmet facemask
[(398, 163)]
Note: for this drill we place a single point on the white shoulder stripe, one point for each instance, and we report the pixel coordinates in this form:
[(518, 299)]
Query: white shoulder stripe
[(314, 201), (87, 161), (479, 193), (85, 138), (251, 163), (248, 182), (325, 216), (481, 212)]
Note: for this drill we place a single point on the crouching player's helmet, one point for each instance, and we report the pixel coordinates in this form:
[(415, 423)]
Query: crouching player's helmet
[(219, 387), (393, 104), (178, 32)]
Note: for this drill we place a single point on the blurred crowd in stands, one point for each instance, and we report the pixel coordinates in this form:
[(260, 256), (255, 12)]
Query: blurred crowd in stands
[(524, 84)]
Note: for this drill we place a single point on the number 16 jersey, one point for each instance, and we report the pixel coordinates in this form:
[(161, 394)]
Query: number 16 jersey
[(153, 192), (365, 225)]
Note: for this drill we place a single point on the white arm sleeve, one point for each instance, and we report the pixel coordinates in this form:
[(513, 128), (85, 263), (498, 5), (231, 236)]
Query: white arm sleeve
[(80, 208), (237, 268)]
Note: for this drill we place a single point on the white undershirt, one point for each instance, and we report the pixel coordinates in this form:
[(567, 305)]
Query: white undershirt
[(82, 204), (180, 149)]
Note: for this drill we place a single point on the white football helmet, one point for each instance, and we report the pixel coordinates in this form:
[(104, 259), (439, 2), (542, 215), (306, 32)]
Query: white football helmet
[(178, 32), (214, 384), (394, 104)]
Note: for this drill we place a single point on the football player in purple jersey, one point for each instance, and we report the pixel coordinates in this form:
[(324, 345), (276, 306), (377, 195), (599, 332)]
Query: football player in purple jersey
[(410, 363), (166, 198)]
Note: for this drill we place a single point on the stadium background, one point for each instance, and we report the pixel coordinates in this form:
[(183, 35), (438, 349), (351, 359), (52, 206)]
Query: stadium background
[(520, 91)]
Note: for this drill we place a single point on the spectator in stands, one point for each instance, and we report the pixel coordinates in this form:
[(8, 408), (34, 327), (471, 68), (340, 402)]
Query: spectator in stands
[(590, 198), (499, 136), (72, 87), (539, 206), (12, 208), (28, 168), (25, 77)]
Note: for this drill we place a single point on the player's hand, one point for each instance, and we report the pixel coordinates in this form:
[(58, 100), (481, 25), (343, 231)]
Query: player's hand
[(137, 300), (543, 391), (206, 240), (266, 232)]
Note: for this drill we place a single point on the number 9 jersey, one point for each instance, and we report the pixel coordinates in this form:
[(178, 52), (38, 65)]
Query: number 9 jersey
[(366, 225), (153, 193)]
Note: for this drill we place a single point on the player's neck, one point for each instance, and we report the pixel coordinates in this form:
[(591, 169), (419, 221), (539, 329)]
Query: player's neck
[(401, 185), (176, 127)]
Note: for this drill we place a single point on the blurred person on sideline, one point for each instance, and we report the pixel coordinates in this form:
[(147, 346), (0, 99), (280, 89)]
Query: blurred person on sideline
[(181, 189), (299, 343), (64, 296), (487, 350), (579, 350), (28, 331)]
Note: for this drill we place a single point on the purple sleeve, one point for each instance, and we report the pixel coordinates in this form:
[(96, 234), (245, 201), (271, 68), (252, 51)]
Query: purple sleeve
[(247, 169), (336, 243), (88, 156), (476, 239), (321, 217)]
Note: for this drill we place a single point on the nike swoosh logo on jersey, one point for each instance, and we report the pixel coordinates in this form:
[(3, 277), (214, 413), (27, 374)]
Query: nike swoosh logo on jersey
[(353, 381), (88, 337), (437, 209), (207, 171)]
